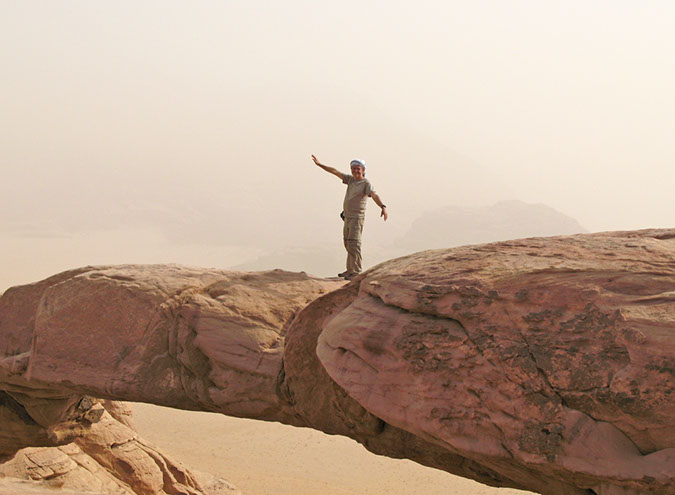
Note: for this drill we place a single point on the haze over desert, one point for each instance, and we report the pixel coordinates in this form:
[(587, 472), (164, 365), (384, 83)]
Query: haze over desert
[(157, 163)]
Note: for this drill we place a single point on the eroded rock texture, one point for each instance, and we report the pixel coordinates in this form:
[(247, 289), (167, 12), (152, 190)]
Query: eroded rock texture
[(543, 364), (104, 455), (543, 359), (193, 339)]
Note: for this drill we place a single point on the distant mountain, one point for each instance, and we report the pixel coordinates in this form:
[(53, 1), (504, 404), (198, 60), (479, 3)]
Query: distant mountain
[(456, 226), (445, 227)]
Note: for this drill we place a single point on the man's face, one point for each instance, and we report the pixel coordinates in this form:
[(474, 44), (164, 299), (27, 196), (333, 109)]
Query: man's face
[(357, 171)]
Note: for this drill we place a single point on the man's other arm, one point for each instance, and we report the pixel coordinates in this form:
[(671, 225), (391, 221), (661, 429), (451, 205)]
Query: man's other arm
[(378, 202), (328, 169)]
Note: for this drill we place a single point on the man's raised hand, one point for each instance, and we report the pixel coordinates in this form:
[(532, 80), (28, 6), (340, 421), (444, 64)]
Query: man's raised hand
[(328, 169)]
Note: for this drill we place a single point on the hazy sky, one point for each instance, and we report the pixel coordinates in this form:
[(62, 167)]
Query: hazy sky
[(194, 121)]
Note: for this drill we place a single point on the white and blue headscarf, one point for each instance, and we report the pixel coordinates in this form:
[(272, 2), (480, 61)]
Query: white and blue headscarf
[(357, 161)]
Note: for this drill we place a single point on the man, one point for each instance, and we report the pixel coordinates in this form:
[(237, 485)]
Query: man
[(354, 211)]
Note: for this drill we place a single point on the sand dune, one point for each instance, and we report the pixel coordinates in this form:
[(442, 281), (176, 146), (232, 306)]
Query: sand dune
[(274, 459)]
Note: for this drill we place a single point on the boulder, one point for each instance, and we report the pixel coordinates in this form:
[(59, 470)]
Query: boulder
[(107, 456), (547, 360), (171, 335)]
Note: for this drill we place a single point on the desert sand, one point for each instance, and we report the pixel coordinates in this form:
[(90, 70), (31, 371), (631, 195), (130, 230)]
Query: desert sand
[(262, 458)]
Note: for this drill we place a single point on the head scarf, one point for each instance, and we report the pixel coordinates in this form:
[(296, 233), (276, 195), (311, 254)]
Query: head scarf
[(356, 161)]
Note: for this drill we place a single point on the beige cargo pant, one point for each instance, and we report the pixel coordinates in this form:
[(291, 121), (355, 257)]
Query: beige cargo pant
[(351, 234)]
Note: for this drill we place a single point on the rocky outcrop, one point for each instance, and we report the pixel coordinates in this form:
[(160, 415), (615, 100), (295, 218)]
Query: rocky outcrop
[(105, 456), (129, 332), (544, 364), (174, 336), (108, 457), (548, 360)]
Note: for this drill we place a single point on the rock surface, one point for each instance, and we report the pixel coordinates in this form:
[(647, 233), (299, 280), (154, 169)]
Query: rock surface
[(131, 332), (543, 364), (555, 354), (106, 457)]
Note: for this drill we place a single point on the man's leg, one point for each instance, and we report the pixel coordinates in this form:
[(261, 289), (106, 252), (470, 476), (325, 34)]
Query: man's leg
[(352, 240), (345, 235)]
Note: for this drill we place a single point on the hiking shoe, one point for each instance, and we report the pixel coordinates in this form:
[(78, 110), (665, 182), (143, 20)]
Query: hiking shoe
[(343, 274), (350, 276)]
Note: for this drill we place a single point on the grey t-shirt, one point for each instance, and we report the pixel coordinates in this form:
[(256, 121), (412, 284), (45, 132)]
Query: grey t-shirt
[(356, 196)]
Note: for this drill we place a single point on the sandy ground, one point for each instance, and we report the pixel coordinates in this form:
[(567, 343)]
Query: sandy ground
[(273, 459)]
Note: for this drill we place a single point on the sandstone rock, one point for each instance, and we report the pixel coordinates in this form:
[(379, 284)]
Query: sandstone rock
[(543, 364), (175, 336), (109, 457), (66, 467), (154, 334), (556, 354)]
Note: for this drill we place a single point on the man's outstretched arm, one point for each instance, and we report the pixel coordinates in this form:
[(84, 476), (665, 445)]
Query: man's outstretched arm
[(328, 169), (378, 202)]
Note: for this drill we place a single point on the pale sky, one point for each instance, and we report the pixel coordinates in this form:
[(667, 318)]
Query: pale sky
[(194, 122)]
